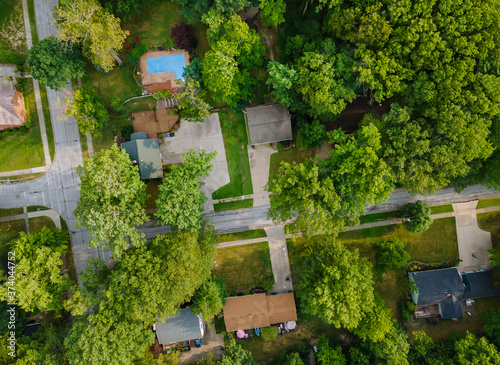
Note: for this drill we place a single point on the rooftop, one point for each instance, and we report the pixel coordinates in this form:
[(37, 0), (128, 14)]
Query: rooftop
[(183, 326), (145, 154), (268, 123)]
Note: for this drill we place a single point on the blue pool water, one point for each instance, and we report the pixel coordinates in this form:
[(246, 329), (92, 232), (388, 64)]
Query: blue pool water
[(173, 62)]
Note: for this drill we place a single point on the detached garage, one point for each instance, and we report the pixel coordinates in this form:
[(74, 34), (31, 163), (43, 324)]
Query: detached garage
[(268, 124)]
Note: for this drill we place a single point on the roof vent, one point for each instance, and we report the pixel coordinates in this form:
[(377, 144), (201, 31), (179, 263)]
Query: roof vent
[(447, 294)]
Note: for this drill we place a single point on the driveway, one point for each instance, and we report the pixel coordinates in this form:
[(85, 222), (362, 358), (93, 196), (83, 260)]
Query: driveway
[(260, 159), (211, 342), (207, 136), (279, 259), (473, 242)]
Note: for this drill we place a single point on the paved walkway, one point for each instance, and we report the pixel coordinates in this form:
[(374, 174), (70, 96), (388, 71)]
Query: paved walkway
[(279, 259), (36, 88), (51, 213), (473, 242), (260, 159), (33, 170)]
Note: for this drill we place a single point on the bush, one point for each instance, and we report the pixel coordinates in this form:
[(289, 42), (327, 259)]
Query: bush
[(417, 217), (134, 55), (126, 131), (162, 94), (391, 254), (269, 333), (28, 124), (116, 103), (168, 44), (268, 283), (412, 307), (7, 57), (193, 70), (311, 134), (183, 37)]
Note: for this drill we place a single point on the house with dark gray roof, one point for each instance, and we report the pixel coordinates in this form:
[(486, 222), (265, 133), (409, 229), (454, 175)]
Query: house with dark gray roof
[(145, 154), (447, 288), (268, 123), (183, 326)]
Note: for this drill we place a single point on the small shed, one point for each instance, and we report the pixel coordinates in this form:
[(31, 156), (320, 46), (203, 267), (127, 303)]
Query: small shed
[(145, 154), (183, 326), (268, 123)]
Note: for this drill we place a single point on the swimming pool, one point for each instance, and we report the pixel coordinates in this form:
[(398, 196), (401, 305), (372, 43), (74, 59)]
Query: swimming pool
[(175, 63)]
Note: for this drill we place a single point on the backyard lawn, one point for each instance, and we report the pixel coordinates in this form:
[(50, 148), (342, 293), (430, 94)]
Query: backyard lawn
[(22, 150), (243, 267), (235, 142), (491, 222), (37, 223)]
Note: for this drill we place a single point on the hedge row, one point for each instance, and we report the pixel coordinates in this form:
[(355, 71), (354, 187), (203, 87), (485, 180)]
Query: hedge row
[(7, 57)]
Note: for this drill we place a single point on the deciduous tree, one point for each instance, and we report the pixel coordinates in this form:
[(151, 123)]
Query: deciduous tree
[(271, 12), (193, 107), (472, 350), (418, 217), (180, 199), (283, 79), (392, 254), (54, 62), (39, 283), (193, 10), (329, 355), (183, 36), (209, 299), (336, 285), (126, 9), (87, 109), (112, 199), (98, 31)]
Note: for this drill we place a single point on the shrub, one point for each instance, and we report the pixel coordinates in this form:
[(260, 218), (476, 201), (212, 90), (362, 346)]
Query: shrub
[(28, 124), (193, 70), (134, 55), (391, 254), (311, 134), (116, 103), (162, 94), (183, 37), (7, 57), (126, 131), (268, 283), (412, 307), (269, 333), (168, 44)]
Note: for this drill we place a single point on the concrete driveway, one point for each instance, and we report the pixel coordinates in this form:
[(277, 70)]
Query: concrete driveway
[(207, 136), (473, 242), (211, 342), (260, 159)]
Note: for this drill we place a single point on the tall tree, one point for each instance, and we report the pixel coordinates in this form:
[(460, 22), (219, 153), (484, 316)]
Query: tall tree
[(298, 194), (271, 11), (336, 285), (87, 109), (471, 350), (98, 31), (39, 283), (112, 199), (192, 107), (391, 254), (237, 355), (329, 355), (126, 9), (209, 299), (418, 217), (283, 79), (358, 175), (54, 62), (193, 10), (180, 199)]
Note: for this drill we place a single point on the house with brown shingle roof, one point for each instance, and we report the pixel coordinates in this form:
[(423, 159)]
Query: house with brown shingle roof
[(12, 109)]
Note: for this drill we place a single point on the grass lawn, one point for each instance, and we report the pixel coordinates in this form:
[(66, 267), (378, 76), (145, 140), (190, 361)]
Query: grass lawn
[(238, 204), (31, 12), (445, 329), (36, 208), (243, 267), (310, 328), (48, 122), (37, 223), (376, 217), (260, 89), (245, 235), (11, 211), (235, 142), (10, 230), (106, 139), (442, 209), (488, 203), (490, 222), (296, 154), (22, 150)]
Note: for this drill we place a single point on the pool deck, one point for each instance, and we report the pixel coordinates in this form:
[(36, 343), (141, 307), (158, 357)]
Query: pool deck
[(160, 77)]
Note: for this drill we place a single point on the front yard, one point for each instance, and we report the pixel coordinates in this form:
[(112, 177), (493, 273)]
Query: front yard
[(243, 267)]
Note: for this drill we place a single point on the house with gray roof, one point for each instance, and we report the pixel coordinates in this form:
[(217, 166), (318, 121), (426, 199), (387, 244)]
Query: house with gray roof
[(145, 154), (448, 288), (183, 326), (268, 123)]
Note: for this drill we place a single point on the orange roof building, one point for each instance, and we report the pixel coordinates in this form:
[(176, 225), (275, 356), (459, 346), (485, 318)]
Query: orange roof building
[(12, 109), (258, 310)]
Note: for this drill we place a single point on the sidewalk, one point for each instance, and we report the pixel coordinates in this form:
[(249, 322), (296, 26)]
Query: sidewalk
[(36, 88), (52, 214)]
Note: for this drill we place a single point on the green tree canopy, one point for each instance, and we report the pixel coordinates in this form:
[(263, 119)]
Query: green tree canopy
[(329, 355), (193, 10), (283, 79), (209, 299), (112, 198), (39, 283), (87, 109), (98, 31), (54, 62), (298, 194), (237, 355), (192, 107), (336, 285), (391, 254), (418, 217), (471, 350), (271, 11), (180, 199), (126, 9)]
